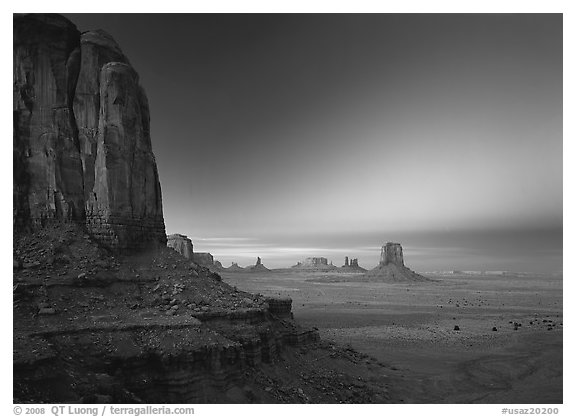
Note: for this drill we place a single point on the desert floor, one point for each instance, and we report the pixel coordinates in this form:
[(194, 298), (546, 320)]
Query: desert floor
[(411, 327)]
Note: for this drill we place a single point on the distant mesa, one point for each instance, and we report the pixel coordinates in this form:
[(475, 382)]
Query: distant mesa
[(392, 268), (183, 245), (203, 259), (315, 264), (258, 267), (351, 265)]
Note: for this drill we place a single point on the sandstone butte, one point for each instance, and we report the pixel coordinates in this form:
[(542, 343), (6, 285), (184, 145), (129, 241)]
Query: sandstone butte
[(391, 267), (104, 312), (82, 147)]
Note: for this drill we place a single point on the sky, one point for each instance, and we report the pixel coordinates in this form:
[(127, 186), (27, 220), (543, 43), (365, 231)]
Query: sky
[(287, 136)]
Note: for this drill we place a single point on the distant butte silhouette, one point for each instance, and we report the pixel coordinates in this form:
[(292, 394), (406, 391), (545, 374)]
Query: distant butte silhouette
[(391, 267), (258, 267)]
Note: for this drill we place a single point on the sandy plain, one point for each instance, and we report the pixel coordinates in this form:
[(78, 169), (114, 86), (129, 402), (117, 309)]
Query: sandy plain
[(411, 328)]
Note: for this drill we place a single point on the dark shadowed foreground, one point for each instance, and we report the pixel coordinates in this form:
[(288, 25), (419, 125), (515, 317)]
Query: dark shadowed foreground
[(95, 327), (507, 349)]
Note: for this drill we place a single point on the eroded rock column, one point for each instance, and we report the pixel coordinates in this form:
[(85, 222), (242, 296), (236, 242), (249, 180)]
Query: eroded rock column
[(124, 210)]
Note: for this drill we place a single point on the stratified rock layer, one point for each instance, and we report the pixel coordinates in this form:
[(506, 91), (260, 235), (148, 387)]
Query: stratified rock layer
[(82, 148)]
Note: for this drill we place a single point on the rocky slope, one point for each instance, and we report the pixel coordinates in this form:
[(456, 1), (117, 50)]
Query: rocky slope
[(91, 326)]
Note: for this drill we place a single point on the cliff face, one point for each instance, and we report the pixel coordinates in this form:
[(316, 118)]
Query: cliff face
[(392, 253), (47, 167), (181, 244), (82, 148), (203, 258)]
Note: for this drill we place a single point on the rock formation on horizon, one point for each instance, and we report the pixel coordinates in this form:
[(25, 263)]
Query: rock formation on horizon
[(258, 267), (314, 263), (351, 265), (391, 267), (203, 259), (234, 268), (82, 150), (391, 253), (181, 244)]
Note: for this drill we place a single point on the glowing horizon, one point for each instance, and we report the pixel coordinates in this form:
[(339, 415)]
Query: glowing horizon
[(290, 128)]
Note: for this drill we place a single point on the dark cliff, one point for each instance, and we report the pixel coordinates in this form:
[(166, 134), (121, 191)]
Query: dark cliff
[(82, 147)]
